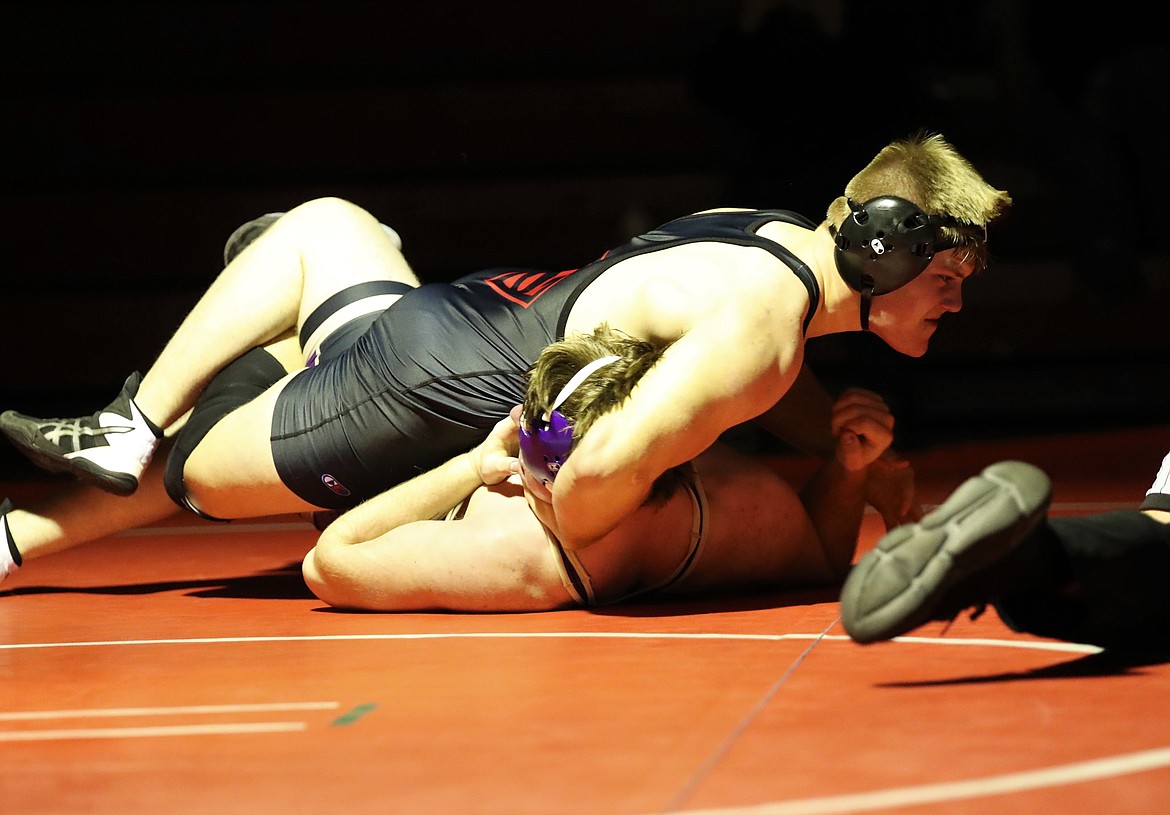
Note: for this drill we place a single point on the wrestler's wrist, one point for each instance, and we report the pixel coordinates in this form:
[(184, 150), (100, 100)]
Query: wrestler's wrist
[(474, 464)]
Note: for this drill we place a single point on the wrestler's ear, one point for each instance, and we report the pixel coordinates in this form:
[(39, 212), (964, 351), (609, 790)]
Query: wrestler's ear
[(515, 414)]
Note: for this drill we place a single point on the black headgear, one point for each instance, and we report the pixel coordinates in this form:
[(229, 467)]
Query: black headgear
[(884, 244)]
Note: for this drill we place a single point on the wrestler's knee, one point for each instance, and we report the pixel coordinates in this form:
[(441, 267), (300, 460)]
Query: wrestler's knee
[(195, 464), (325, 216), (323, 570), (311, 571), (326, 208)]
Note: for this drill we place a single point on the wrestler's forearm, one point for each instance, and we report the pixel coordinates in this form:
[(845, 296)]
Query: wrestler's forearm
[(802, 417), (431, 494), (834, 499), (422, 498)]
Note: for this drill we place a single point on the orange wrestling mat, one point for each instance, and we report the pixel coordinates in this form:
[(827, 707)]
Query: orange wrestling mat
[(185, 669)]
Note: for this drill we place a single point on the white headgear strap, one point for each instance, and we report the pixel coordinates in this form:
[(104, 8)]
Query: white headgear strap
[(576, 381)]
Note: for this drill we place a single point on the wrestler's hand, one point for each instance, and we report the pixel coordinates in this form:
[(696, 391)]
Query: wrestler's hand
[(863, 427), (495, 458)]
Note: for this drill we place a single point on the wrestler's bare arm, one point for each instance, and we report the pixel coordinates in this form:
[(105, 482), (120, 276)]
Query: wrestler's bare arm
[(494, 559), (835, 496), (389, 555), (801, 418), (739, 354)]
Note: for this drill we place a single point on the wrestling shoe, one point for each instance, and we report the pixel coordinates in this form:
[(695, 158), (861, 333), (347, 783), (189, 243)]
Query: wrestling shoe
[(109, 449), (246, 233), (953, 559)]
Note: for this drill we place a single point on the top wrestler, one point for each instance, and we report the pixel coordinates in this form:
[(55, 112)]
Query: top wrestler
[(390, 392)]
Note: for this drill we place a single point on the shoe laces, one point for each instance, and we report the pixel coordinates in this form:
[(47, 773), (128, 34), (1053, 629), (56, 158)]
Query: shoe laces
[(976, 613)]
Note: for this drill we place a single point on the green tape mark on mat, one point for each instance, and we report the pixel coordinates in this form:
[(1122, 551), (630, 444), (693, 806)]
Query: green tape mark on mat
[(353, 715)]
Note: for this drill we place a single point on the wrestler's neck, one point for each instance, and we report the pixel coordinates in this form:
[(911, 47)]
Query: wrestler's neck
[(839, 309)]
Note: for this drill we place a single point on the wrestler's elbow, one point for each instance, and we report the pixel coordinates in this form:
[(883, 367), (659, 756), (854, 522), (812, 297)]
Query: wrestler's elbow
[(594, 509), (325, 575), (316, 578)]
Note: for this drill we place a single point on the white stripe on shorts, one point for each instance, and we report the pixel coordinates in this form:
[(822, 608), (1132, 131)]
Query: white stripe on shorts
[(377, 302)]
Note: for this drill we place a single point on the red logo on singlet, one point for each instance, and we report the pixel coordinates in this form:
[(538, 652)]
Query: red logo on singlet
[(333, 484), (524, 288)]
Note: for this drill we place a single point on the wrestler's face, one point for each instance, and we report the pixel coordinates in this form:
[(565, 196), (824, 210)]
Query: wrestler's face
[(907, 318)]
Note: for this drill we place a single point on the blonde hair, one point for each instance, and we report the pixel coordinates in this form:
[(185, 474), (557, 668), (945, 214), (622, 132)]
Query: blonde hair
[(927, 171), (602, 391)]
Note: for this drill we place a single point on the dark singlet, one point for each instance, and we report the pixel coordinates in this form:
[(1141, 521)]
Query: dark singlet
[(435, 371)]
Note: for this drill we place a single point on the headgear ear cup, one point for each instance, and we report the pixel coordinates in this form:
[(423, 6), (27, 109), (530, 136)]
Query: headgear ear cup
[(884, 244), (545, 444)]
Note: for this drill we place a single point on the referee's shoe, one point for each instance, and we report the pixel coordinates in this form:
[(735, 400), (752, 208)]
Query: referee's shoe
[(956, 557)]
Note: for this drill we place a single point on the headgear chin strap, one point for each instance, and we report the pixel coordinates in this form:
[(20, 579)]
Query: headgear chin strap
[(885, 243), (545, 447)]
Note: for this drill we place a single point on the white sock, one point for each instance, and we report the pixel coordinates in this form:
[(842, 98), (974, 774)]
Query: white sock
[(9, 557)]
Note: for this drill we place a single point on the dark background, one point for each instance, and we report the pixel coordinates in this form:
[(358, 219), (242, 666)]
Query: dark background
[(137, 136)]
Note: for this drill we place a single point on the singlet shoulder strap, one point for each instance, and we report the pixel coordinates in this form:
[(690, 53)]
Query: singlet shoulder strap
[(739, 227)]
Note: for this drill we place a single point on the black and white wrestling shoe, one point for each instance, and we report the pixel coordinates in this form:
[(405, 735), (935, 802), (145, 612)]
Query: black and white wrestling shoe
[(109, 449)]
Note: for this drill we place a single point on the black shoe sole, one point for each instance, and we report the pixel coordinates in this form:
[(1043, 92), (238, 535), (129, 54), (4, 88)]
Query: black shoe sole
[(899, 585)]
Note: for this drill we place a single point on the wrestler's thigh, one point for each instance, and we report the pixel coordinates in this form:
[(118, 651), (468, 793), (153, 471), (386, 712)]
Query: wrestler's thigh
[(231, 474)]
